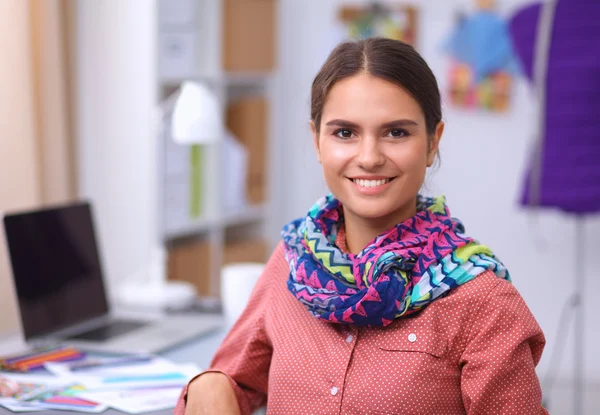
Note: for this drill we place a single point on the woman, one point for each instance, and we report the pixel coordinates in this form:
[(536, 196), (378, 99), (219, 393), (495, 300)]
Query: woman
[(376, 302)]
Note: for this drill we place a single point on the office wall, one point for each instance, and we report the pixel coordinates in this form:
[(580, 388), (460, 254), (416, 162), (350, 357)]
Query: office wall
[(19, 180), (483, 161), (116, 93)]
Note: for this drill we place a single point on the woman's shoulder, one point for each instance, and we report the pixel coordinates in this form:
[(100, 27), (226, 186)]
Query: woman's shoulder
[(466, 301), (486, 304), (482, 286), (489, 298)]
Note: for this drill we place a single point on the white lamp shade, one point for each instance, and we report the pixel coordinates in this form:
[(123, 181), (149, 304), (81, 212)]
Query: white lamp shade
[(196, 116)]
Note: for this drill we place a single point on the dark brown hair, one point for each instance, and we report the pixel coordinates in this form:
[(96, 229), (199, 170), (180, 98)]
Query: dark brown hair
[(387, 59)]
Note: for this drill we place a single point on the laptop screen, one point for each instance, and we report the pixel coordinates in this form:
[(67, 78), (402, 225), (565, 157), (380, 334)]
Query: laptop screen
[(56, 268)]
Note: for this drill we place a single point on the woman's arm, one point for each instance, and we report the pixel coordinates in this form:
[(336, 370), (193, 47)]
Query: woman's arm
[(243, 359), (212, 393), (504, 345)]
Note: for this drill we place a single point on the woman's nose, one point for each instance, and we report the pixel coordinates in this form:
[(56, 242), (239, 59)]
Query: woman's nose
[(369, 155)]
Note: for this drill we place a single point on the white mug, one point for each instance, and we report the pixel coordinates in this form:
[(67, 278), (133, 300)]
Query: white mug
[(237, 282)]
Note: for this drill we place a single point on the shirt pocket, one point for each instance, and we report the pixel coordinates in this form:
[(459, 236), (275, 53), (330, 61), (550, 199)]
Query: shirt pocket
[(418, 360), (414, 341)]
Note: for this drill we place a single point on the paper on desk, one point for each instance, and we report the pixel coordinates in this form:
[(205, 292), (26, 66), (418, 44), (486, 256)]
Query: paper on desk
[(63, 369), (137, 401), (68, 399), (63, 402), (47, 392), (136, 388), (16, 406), (155, 373), (48, 380), (96, 408), (29, 383), (150, 366), (130, 396)]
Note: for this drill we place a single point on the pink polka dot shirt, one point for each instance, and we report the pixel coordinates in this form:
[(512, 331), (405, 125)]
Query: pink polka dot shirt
[(473, 351)]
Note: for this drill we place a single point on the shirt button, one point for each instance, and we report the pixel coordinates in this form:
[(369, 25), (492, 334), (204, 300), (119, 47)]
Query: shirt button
[(412, 337), (334, 391), (349, 339)]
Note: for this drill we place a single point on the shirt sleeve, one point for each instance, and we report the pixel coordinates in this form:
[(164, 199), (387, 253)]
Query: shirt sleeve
[(503, 347), (245, 354)]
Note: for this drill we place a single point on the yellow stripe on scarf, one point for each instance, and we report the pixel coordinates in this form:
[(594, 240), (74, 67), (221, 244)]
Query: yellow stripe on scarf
[(439, 206), (323, 256), (465, 252)]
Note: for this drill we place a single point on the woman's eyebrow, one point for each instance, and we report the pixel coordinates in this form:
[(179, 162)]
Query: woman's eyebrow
[(400, 123), (391, 124), (342, 123)]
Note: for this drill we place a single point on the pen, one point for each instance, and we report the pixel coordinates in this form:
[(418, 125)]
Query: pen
[(38, 361), (34, 353), (109, 363)]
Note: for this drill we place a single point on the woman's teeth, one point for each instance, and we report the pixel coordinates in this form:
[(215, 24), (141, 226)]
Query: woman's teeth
[(370, 183)]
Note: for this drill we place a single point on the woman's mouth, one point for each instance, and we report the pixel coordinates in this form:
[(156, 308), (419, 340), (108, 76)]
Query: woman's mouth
[(371, 186), (371, 183)]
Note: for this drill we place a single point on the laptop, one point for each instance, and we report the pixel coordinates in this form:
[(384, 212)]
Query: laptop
[(60, 289)]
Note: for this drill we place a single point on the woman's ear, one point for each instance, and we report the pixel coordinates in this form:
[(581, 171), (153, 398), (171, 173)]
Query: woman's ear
[(315, 135), (434, 145)]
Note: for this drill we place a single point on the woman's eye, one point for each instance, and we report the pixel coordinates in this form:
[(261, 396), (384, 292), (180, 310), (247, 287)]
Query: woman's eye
[(343, 133), (397, 133)]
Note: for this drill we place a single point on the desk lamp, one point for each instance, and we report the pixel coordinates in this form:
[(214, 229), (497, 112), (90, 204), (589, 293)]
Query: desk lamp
[(195, 119)]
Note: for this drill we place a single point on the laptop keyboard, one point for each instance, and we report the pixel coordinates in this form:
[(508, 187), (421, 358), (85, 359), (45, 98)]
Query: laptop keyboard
[(108, 331)]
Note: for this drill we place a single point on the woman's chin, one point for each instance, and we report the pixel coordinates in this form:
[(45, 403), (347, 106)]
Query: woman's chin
[(378, 211), (370, 211)]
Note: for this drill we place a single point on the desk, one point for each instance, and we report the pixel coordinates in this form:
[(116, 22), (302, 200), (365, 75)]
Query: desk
[(199, 351)]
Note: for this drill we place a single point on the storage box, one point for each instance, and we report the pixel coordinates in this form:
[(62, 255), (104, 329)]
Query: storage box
[(247, 120), (249, 35), (191, 262), (250, 250)]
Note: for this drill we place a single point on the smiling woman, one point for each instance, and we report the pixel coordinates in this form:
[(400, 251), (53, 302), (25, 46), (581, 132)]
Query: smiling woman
[(394, 309), (376, 120), (374, 146)]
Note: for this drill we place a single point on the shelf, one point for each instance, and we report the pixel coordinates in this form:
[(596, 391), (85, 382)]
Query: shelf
[(244, 216), (191, 228), (246, 79), (247, 215), (240, 79)]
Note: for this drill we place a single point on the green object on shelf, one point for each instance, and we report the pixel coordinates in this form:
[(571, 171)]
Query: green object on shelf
[(196, 188)]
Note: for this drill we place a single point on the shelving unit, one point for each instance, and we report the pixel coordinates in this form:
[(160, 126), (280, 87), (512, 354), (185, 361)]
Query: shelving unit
[(192, 35), (247, 216), (248, 79)]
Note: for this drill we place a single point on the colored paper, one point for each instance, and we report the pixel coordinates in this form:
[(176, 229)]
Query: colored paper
[(483, 62), (391, 21)]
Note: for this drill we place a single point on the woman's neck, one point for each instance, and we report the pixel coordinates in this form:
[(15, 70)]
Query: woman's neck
[(360, 231)]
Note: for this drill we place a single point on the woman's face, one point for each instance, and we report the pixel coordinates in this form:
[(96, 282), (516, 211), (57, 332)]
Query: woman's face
[(374, 148)]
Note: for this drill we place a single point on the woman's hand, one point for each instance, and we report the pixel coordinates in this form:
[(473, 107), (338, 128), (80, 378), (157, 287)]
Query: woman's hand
[(211, 393)]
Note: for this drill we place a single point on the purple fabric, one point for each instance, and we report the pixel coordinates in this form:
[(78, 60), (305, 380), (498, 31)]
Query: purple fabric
[(570, 176)]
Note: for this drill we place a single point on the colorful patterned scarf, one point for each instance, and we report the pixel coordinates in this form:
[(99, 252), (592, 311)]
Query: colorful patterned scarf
[(398, 273)]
